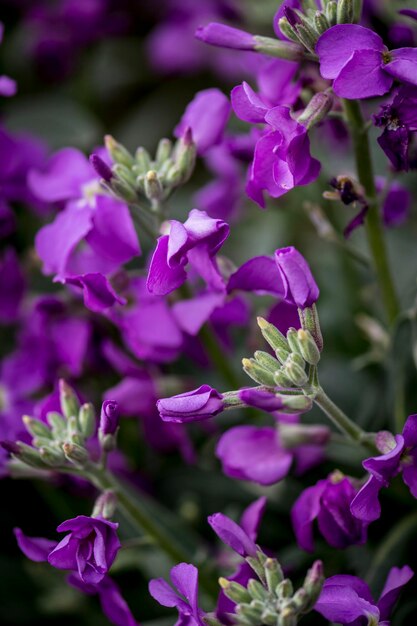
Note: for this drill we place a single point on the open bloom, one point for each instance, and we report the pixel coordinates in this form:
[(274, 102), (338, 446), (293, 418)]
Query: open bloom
[(348, 600), (399, 456), (89, 549), (282, 157), (195, 242), (328, 502), (192, 406), (184, 577), (359, 63)]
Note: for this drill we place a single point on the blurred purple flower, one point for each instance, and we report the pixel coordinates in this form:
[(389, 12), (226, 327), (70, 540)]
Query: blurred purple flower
[(347, 599), (12, 286), (185, 580)]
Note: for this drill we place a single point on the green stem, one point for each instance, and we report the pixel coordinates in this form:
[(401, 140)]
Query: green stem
[(351, 430), (373, 226)]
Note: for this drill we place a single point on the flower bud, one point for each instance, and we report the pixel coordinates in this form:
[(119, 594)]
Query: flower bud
[(249, 613), (163, 151), (258, 373), (143, 161), (225, 36), (295, 372), (234, 591), (281, 378), (317, 109), (285, 589), (272, 335), (299, 283), (331, 12), (109, 418), (24, 453), (185, 154), (345, 11), (308, 347), (124, 191), (73, 431), (68, 400), (314, 581), (287, 30), (288, 50), (273, 574), (51, 456), (301, 600), (101, 168), (153, 188), (36, 428), (292, 338), (57, 424), (288, 617), (269, 617), (321, 22), (267, 361), (293, 435), (296, 403), (257, 591), (196, 405), (75, 453), (118, 152), (105, 505), (310, 322), (87, 420)]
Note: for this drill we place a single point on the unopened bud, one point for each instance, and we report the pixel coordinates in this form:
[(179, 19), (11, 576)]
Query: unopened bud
[(75, 453), (124, 175), (109, 418), (185, 155), (143, 161), (28, 455), (310, 321), (301, 600), (118, 152), (57, 424), (287, 30), (234, 591), (124, 191), (288, 617), (308, 347), (281, 379), (272, 335), (321, 22), (258, 373), (296, 403), (282, 49), (267, 361), (317, 109), (51, 456), (36, 428), (282, 354), (105, 505), (257, 591), (269, 617), (273, 574), (251, 614), (68, 400), (87, 420), (257, 567), (101, 168), (292, 338), (108, 442), (285, 589), (153, 186), (314, 581), (331, 12), (295, 371), (345, 11), (163, 151)]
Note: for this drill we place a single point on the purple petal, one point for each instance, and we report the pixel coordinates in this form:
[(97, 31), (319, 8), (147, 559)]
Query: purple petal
[(8, 87), (409, 13), (300, 287), (252, 517), (397, 578), (185, 578), (403, 65), (410, 431), (304, 512), (247, 105), (409, 468), (386, 466), (63, 176), (200, 404), (261, 399), (98, 293), (260, 275), (340, 603), (35, 548), (163, 593), (192, 314), (363, 76), (251, 453), (232, 534), (206, 115), (163, 279), (337, 45), (365, 505), (115, 608), (396, 206)]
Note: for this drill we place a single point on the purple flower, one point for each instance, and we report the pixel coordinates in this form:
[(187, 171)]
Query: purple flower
[(399, 121), (399, 456), (206, 116), (397, 202), (109, 417), (359, 63), (232, 535), (224, 36), (112, 603), (185, 599), (258, 455), (328, 502), (192, 406), (195, 242), (347, 599), (282, 158), (98, 293), (300, 286), (89, 549)]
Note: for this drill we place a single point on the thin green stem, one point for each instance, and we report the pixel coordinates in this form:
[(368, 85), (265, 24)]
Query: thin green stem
[(373, 226), (338, 417)]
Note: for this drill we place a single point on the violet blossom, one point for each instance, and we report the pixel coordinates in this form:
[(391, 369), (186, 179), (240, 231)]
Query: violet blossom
[(348, 600), (184, 598), (89, 549), (195, 242), (328, 502), (399, 455), (359, 63), (282, 157), (109, 417), (12, 286)]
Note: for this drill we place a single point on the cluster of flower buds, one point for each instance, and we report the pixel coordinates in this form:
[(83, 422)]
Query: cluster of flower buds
[(293, 353), (306, 26), (132, 178), (271, 600), (60, 442)]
